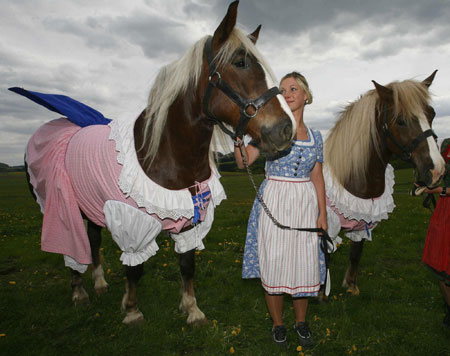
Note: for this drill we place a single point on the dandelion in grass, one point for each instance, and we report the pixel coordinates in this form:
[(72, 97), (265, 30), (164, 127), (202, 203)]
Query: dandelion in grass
[(197, 253), (2, 335), (237, 261), (108, 271), (12, 282), (328, 332), (231, 350), (299, 348), (97, 315), (165, 265), (354, 348), (220, 243), (316, 318)]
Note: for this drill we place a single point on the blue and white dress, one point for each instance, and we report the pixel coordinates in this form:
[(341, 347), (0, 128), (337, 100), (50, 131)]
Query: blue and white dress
[(287, 261)]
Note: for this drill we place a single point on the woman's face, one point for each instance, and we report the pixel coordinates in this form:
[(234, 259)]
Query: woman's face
[(293, 93)]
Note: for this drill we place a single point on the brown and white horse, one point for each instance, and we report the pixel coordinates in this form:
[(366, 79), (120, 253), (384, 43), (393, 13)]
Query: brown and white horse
[(221, 79), (392, 119)]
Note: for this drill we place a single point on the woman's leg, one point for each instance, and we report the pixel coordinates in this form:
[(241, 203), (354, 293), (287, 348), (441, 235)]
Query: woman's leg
[(275, 305), (300, 308)]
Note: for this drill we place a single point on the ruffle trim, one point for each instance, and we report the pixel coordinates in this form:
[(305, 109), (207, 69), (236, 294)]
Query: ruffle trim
[(369, 210), (171, 204)]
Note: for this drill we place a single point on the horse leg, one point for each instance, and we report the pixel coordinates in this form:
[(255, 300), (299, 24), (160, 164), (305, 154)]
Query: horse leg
[(79, 294), (188, 302), (349, 282), (95, 240), (129, 300)]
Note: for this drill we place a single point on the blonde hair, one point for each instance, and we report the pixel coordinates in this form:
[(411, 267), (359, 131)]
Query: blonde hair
[(302, 82)]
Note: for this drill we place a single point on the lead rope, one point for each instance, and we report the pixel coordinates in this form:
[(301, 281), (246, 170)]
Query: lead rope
[(324, 237)]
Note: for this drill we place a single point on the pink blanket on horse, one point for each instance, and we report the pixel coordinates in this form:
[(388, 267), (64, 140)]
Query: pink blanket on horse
[(73, 168)]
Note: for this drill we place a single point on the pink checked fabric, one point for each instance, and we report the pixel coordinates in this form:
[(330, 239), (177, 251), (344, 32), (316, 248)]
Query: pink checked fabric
[(73, 168)]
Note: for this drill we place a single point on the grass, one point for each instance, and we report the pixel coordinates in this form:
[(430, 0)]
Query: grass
[(398, 312)]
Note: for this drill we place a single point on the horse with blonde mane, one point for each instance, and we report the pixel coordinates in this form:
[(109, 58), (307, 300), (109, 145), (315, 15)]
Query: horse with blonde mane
[(389, 120), (138, 177)]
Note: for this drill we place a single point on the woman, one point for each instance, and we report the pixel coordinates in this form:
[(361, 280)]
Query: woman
[(436, 253), (289, 261)]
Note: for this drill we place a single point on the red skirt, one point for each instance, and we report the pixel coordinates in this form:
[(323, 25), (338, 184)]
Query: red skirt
[(436, 252)]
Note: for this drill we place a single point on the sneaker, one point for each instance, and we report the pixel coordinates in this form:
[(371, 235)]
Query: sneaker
[(279, 335), (304, 334)]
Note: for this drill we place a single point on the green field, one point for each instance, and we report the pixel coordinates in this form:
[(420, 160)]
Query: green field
[(398, 312)]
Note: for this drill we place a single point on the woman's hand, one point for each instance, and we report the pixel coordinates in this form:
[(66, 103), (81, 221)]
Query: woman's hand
[(322, 222)]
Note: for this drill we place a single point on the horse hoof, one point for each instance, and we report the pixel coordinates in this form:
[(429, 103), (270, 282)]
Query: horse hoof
[(199, 322), (133, 318), (100, 286), (197, 318), (80, 298)]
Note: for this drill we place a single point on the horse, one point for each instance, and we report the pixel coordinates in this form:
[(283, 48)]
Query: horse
[(389, 120), (155, 173)]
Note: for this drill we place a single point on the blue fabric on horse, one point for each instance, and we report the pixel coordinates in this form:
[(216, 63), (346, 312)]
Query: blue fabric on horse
[(77, 112)]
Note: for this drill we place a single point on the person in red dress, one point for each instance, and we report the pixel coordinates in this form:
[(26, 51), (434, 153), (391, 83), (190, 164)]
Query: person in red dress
[(436, 253)]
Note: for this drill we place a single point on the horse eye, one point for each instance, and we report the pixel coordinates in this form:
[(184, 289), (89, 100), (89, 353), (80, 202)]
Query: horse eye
[(400, 121), (240, 64)]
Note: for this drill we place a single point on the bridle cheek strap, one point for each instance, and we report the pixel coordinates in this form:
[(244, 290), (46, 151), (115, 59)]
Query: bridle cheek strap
[(215, 81), (406, 151)]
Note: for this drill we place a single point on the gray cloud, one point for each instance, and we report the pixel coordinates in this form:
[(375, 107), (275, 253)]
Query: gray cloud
[(105, 54)]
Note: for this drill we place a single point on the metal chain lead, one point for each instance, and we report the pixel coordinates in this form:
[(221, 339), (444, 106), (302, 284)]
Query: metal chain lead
[(258, 194)]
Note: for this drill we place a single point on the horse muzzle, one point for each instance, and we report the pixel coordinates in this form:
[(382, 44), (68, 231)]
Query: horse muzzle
[(276, 138), (430, 175)]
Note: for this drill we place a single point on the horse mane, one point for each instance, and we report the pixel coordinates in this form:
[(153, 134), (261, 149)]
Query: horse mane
[(349, 143), (182, 76)]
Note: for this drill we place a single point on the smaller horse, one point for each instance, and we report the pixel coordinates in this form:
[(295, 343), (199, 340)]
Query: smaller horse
[(155, 173), (393, 119)]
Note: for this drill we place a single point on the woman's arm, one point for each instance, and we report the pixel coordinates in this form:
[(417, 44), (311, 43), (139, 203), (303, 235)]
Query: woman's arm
[(250, 151), (437, 190), (316, 176)]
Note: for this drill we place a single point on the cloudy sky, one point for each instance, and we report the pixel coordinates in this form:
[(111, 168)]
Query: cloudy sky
[(107, 53)]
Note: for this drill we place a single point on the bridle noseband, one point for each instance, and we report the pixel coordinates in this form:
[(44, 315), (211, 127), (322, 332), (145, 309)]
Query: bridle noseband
[(406, 151), (215, 81)]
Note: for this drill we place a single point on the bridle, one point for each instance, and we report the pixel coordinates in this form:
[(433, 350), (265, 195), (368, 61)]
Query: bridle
[(215, 81), (406, 151)]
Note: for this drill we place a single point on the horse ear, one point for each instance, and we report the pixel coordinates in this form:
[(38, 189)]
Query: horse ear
[(254, 36), (430, 79), (384, 92), (226, 26)]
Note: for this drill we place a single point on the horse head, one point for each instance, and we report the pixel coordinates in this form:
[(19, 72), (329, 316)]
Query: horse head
[(251, 103), (405, 117)]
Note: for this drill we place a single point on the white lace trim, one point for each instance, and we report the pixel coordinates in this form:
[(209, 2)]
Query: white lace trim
[(172, 204), (352, 207), (76, 266)]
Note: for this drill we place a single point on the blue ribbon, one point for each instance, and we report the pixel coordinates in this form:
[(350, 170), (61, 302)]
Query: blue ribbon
[(199, 201), (367, 229)]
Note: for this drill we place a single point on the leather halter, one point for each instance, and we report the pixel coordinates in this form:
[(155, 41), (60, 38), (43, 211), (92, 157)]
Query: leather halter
[(215, 81), (406, 151)]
